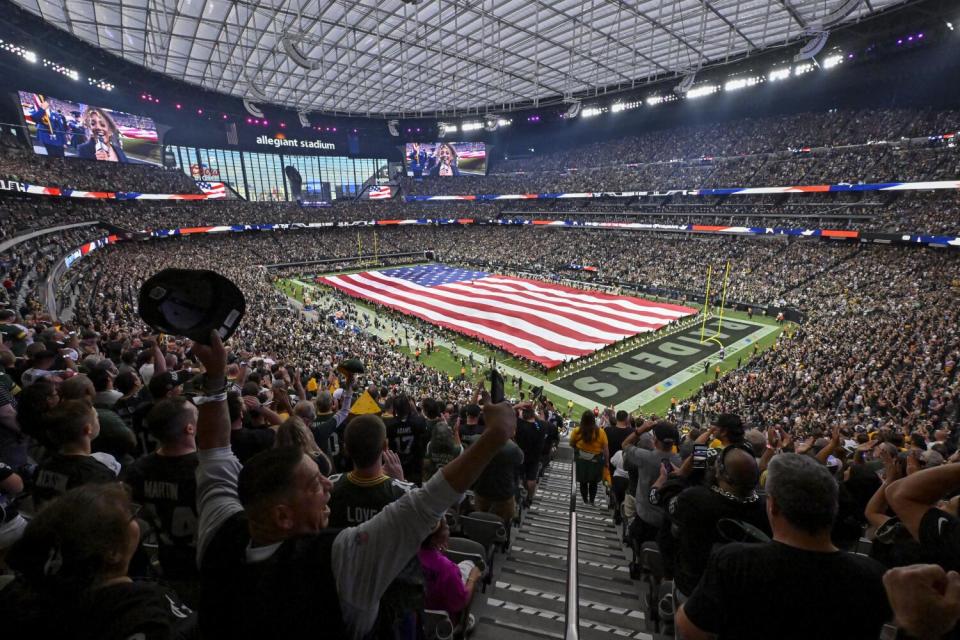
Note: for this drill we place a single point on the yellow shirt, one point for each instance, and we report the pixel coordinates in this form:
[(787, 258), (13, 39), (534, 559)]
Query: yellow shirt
[(595, 446)]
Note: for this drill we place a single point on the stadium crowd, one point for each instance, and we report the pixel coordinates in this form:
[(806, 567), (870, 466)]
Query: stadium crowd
[(745, 137), (22, 165), (302, 477), (848, 165)]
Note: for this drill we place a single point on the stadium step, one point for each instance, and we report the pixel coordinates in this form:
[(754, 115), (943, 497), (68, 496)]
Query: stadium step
[(527, 598)]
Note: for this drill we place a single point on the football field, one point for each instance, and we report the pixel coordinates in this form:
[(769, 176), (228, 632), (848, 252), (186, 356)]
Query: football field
[(670, 362)]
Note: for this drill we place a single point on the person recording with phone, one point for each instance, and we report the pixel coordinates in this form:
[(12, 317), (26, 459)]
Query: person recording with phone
[(649, 517), (103, 137)]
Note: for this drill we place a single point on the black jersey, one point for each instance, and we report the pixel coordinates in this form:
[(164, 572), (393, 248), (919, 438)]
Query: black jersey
[(408, 439), (141, 610), (61, 473), (167, 487), (355, 500)]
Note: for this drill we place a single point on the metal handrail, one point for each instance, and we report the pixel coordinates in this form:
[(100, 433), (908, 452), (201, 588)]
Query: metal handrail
[(572, 612)]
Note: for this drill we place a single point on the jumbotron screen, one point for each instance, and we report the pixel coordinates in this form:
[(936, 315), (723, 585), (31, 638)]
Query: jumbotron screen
[(445, 159), (66, 128)]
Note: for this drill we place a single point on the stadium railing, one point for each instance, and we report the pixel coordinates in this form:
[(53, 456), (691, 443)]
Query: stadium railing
[(572, 611)]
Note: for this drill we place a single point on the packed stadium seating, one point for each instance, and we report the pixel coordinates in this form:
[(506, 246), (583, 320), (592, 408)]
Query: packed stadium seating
[(872, 367)]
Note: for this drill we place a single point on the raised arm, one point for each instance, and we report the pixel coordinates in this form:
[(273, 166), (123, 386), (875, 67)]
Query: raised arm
[(213, 420), (218, 468), (913, 496)]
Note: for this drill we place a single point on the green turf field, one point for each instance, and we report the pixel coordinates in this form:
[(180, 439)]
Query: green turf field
[(444, 360)]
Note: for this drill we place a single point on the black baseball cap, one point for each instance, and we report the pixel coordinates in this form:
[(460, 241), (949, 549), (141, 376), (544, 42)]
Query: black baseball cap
[(350, 365), (191, 303)]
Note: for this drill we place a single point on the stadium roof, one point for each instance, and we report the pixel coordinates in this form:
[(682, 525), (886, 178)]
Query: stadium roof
[(436, 57)]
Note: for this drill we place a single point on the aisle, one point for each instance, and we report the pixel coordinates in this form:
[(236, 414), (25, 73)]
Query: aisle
[(528, 596)]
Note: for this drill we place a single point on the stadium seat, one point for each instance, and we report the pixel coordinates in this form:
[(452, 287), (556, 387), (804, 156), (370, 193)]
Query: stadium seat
[(489, 531)]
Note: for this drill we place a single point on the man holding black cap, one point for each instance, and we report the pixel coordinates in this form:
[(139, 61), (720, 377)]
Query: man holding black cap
[(649, 517), (267, 565)]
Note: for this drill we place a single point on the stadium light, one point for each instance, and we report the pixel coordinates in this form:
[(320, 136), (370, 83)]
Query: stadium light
[(471, 126), (589, 112), (701, 91), (741, 83), (801, 69), (950, 26), (832, 61), (778, 74)]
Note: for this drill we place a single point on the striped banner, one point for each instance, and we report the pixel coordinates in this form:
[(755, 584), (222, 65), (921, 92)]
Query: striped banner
[(542, 322)]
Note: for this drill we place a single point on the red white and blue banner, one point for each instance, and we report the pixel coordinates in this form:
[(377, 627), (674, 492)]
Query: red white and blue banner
[(843, 234), (14, 186), (89, 247), (543, 322), (733, 191)]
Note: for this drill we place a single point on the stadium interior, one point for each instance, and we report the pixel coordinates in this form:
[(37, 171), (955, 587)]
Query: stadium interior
[(506, 320)]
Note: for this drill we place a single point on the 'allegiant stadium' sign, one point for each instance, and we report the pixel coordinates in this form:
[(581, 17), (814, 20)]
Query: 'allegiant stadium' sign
[(298, 144)]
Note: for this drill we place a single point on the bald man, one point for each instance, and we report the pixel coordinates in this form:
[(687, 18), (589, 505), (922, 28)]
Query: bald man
[(696, 511)]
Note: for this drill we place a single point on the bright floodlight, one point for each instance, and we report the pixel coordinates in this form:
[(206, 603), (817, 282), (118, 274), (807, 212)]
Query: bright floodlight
[(701, 91), (779, 74), (740, 83), (832, 61)]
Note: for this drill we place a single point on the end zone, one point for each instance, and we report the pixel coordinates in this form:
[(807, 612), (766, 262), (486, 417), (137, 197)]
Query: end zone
[(633, 379)]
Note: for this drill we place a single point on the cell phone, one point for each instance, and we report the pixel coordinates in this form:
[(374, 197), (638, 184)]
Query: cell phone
[(496, 386), (700, 456), (667, 467)]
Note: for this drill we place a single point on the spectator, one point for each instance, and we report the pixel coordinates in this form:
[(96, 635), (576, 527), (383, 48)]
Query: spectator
[(444, 443), (293, 432), (590, 453), (495, 489), (72, 426), (164, 483), (531, 435), (308, 578), (702, 515), (915, 499), (448, 587), (648, 462), (114, 438), (73, 562), (407, 435), (800, 566)]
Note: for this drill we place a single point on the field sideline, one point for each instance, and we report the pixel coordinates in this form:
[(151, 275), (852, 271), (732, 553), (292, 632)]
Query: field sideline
[(680, 385)]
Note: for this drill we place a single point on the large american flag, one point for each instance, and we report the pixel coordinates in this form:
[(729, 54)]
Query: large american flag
[(380, 193), (543, 322)]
